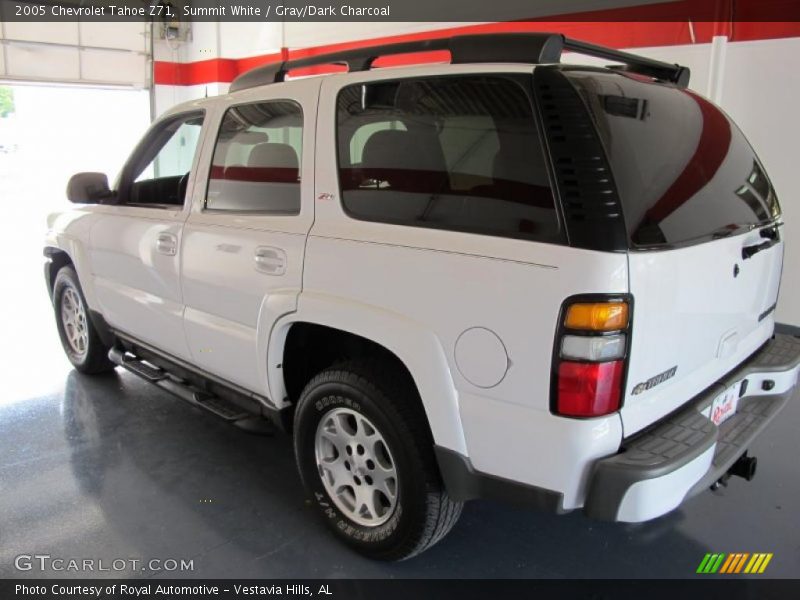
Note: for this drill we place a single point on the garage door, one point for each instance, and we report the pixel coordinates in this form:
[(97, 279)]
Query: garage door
[(87, 53)]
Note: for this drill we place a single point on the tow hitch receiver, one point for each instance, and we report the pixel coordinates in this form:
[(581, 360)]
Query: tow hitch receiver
[(744, 467)]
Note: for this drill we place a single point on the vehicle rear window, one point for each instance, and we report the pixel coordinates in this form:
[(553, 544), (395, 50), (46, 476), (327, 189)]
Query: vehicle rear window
[(461, 153), (683, 169)]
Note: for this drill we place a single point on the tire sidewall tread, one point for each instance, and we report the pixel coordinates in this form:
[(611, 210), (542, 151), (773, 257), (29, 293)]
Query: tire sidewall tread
[(424, 513), (96, 358)]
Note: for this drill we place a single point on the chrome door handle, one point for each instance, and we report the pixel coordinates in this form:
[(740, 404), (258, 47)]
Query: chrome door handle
[(271, 261), (167, 243)]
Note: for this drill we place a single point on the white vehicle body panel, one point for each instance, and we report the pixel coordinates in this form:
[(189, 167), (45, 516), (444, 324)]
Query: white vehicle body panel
[(690, 311), (231, 303), (447, 283), (138, 288)]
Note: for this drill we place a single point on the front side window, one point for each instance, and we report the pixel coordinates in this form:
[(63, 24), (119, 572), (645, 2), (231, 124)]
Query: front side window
[(459, 153), (158, 173), (256, 164)]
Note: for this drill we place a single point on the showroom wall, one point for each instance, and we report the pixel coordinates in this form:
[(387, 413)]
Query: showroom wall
[(749, 68)]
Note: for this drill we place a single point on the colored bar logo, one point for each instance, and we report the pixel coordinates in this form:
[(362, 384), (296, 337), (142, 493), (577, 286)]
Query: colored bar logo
[(736, 562)]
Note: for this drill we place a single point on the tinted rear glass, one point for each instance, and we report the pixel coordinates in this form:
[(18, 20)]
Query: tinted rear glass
[(461, 153), (683, 169)]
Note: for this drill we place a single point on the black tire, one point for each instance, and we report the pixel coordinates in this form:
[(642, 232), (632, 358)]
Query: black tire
[(423, 513), (94, 359)]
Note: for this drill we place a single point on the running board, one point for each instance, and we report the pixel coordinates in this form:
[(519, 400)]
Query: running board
[(216, 405), (134, 365)]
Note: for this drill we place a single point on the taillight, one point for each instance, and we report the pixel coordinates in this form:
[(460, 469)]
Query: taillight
[(590, 356)]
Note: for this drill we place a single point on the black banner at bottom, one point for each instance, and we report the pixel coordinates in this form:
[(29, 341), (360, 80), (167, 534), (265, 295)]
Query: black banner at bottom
[(397, 589)]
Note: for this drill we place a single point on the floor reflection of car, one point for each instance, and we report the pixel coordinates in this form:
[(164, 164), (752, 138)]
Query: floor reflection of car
[(135, 457)]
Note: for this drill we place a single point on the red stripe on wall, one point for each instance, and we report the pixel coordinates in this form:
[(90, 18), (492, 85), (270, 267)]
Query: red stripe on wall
[(215, 70), (665, 24)]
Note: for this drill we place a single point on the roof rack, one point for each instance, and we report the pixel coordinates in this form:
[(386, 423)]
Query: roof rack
[(529, 48)]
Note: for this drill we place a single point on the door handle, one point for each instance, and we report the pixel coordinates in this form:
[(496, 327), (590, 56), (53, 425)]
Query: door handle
[(167, 243), (271, 261)]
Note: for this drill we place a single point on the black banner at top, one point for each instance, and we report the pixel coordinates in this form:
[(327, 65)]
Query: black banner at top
[(696, 11)]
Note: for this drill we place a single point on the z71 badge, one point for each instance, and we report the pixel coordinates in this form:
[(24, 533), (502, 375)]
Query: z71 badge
[(654, 381)]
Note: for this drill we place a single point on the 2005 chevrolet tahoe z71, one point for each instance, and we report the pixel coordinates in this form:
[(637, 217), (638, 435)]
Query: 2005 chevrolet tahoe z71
[(501, 277)]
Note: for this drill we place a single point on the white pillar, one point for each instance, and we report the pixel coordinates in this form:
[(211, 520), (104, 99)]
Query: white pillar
[(716, 71)]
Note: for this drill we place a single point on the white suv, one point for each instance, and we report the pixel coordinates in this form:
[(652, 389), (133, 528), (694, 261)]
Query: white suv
[(501, 277)]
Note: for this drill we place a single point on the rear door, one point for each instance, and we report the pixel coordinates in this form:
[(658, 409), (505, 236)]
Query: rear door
[(244, 241), (703, 224)]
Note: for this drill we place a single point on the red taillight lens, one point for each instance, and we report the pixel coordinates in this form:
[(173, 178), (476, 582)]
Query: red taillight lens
[(589, 389)]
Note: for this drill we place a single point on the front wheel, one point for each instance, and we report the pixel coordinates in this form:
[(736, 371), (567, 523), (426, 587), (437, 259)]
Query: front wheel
[(365, 455), (81, 342)]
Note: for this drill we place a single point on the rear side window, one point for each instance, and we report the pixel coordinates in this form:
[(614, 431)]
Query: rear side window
[(256, 164), (461, 153), (684, 171)]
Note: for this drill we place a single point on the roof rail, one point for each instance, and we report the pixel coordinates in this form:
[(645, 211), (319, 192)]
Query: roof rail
[(529, 48)]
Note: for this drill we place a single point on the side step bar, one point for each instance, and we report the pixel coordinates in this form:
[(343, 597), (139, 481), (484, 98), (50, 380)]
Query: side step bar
[(216, 405)]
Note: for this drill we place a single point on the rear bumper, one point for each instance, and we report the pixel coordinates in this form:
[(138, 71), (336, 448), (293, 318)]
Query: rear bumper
[(686, 453)]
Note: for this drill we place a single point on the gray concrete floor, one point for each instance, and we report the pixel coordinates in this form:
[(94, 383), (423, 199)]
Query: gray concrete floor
[(111, 467)]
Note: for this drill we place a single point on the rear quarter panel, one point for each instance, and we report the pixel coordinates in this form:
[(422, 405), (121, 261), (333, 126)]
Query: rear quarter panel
[(452, 284)]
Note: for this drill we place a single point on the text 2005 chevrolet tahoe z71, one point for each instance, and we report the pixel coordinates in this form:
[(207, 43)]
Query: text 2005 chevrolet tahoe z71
[(501, 277)]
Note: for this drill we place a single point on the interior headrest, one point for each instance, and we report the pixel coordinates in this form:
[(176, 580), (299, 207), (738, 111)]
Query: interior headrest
[(273, 155), (398, 149), (251, 138)]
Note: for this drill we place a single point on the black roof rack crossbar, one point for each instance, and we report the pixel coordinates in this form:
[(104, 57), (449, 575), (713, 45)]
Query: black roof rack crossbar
[(528, 48)]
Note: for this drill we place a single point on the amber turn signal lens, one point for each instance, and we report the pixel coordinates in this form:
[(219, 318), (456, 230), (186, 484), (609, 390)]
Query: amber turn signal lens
[(597, 316)]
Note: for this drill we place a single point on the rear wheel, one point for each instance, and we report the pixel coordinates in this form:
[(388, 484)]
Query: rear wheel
[(79, 338), (365, 455)]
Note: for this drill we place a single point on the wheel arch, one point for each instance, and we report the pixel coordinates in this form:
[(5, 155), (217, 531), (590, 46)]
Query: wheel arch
[(416, 349), (56, 259), (67, 248)]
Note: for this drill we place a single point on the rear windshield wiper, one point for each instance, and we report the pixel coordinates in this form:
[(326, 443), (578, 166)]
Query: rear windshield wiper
[(772, 237)]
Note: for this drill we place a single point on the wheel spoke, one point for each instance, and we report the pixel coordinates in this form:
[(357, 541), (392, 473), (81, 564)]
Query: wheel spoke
[(73, 320), (356, 467), (336, 443), (375, 508), (386, 482)]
